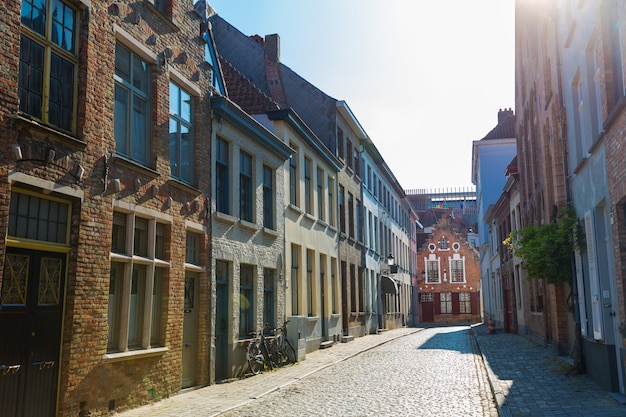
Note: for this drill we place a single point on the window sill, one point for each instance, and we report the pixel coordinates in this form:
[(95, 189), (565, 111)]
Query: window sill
[(135, 165), (134, 354), (29, 123), (271, 232), (295, 209), (184, 186), (169, 20), (312, 318), (310, 217), (253, 227), (225, 218), (322, 223)]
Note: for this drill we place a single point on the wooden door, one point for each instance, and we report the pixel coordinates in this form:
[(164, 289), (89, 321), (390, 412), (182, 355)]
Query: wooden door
[(190, 331), (31, 312)]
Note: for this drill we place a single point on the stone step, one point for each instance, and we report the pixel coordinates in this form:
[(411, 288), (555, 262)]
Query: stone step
[(346, 339), (326, 344)]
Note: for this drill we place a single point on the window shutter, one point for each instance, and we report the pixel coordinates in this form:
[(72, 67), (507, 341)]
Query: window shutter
[(582, 306), (437, 303)]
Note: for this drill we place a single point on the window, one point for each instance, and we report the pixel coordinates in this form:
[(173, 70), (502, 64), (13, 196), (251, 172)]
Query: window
[(309, 281), (359, 221), (340, 143), (342, 211), (192, 248), (135, 282), (246, 300), (246, 199), (50, 216), (269, 310), (443, 243), (353, 289), (349, 157), (293, 178), (357, 162), (132, 106), (295, 275), (369, 178), (446, 302), (426, 297), (457, 270), (331, 201), (222, 186), (48, 62), (333, 284), (182, 148), (308, 191), (351, 214), (320, 194), (361, 290), (465, 303), (432, 272), (268, 197)]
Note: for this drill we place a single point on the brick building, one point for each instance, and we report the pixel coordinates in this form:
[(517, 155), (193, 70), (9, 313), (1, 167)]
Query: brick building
[(104, 173), (449, 278)]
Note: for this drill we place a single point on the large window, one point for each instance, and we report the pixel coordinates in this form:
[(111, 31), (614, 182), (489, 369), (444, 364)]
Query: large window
[(269, 309), (432, 272), (457, 273), (446, 302), (331, 201), (310, 286), (333, 284), (222, 193), (320, 194), (293, 177), (246, 300), (465, 303), (135, 291), (295, 279), (48, 62), (181, 135), (132, 106), (268, 197), (351, 215), (246, 198), (308, 190), (342, 210)]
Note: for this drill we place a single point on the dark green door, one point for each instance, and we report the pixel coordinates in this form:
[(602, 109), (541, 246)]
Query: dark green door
[(31, 308), (221, 321)]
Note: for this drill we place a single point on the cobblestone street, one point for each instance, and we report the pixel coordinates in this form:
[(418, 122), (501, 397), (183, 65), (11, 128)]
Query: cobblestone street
[(434, 372)]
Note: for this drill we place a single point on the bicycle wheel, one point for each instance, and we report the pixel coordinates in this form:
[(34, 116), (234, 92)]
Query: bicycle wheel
[(255, 364), (290, 352)]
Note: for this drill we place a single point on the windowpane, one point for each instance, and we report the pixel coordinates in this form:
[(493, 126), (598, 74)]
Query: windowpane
[(63, 23), (245, 187), (246, 301), (118, 241), (115, 297), (221, 177), (140, 242), (155, 321), (159, 242), (192, 253), (132, 117), (34, 15), (269, 278), (268, 197), (181, 135), (137, 297), (31, 77)]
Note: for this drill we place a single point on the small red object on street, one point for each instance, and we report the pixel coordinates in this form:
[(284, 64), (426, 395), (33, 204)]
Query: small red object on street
[(490, 328)]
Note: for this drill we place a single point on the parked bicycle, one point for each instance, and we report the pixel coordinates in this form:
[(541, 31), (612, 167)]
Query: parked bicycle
[(257, 353), (281, 350)]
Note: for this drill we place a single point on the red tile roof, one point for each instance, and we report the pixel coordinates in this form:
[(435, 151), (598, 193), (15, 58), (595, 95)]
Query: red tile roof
[(243, 92)]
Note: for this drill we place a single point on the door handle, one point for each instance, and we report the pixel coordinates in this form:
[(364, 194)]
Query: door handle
[(44, 365), (9, 369)]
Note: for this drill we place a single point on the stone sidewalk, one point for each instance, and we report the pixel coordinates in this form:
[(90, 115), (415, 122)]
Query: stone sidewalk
[(528, 380), (215, 399)]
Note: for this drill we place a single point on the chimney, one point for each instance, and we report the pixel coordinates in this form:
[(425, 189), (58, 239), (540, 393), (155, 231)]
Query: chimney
[(272, 70), (503, 114), (272, 48)]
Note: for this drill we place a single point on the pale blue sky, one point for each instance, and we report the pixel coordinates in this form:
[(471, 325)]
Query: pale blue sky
[(424, 78)]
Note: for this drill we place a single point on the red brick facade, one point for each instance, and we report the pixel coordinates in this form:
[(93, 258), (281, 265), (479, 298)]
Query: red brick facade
[(446, 297), (81, 167)]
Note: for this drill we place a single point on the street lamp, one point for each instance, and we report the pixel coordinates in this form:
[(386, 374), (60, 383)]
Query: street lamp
[(391, 261)]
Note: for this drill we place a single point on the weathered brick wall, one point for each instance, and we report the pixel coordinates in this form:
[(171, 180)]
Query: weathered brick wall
[(85, 380)]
